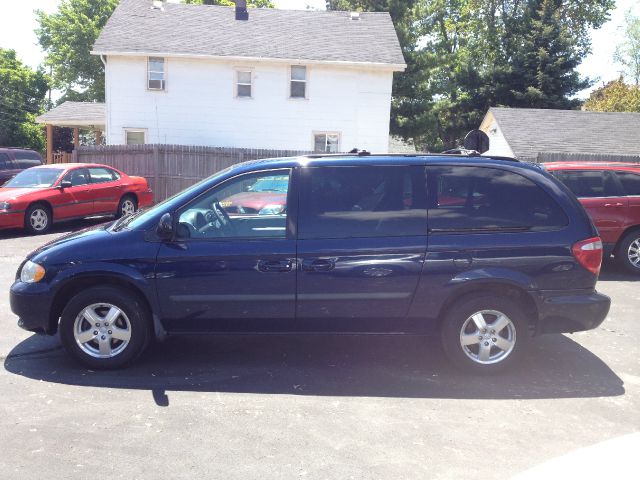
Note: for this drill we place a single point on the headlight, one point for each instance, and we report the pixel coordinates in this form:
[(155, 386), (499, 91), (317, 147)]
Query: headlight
[(31, 272), (5, 206), (271, 210)]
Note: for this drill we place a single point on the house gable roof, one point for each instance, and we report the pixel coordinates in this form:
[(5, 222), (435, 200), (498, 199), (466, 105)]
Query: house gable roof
[(213, 31), (531, 133)]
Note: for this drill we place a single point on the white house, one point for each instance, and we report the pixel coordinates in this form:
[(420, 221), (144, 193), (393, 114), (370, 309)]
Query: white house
[(250, 78)]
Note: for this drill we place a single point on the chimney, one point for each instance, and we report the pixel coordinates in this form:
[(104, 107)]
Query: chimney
[(241, 10)]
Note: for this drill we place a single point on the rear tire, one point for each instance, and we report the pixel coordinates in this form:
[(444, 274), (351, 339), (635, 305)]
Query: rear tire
[(38, 219), (484, 334), (105, 327), (127, 206), (628, 253)]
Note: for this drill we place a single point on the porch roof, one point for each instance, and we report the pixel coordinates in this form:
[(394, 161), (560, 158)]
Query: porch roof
[(76, 115)]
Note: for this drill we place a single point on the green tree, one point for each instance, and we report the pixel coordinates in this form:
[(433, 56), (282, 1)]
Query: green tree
[(465, 56), (67, 36), (543, 73), (22, 95), (616, 96), (628, 52), (231, 3)]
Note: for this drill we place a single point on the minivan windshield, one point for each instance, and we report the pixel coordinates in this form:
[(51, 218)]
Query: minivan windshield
[(35, 178)]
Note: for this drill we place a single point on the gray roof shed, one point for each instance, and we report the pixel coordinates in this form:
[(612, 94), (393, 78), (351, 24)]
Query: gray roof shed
[(558, 135)]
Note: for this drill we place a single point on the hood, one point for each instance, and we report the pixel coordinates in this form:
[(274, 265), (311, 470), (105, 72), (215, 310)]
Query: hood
[(8, 194), (80, 236)]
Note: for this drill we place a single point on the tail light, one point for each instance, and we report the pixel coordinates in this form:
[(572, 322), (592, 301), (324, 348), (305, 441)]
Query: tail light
[(588, 253)]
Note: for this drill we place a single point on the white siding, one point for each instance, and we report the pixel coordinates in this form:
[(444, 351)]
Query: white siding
[(498, 144), (199, 105)]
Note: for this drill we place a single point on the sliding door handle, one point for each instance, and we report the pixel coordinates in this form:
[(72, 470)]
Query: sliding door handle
[(275, 265), (318, 265)]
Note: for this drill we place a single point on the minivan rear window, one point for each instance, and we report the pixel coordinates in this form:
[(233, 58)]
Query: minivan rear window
[(371, 201), (589, 183), (467, 199)]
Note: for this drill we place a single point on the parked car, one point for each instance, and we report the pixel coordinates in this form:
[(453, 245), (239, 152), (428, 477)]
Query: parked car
[(364, 244), (15, 160), (36, 198), (610, 192), (266, 196)]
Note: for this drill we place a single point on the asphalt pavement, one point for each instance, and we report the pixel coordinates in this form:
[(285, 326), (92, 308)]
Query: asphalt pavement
[(319, 407)]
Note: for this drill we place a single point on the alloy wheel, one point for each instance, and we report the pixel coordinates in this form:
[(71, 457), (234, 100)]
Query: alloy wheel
[(128, 207), (633, 253), (39, 219), (102, 330), (488, 337)]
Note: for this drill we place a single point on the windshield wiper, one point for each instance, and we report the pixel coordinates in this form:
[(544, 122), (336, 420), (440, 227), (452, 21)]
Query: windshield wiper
[(124, 221)]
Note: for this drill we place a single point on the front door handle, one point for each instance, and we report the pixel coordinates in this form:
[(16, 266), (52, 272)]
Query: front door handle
[(318, 265), (462, 261), (275, 265), (617, 204)]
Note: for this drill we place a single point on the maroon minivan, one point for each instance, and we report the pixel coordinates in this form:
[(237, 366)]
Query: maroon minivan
[(610, 192), (14, 160)]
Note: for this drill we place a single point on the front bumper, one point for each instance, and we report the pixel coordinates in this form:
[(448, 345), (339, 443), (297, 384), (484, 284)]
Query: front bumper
[(12, 219), (32, 304), (572, 313)]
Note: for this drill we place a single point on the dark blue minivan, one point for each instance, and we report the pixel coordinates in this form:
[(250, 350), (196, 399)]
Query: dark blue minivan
[(485, 252)]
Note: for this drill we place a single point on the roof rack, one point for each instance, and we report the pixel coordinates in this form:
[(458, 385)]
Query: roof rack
[(449, 153)]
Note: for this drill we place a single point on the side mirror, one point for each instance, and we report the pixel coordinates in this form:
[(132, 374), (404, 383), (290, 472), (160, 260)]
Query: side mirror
[(165, 227), (65, 184)]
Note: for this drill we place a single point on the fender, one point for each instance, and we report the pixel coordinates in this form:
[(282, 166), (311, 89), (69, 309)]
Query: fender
[(435, 294), (138, 274)]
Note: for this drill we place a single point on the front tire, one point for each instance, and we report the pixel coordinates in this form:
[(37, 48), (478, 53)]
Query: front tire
[(484, 333), (38, 219), (105, 327), (628, 253)]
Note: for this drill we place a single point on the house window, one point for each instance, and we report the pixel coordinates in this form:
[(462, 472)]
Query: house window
[(298, 81), (155, 73), (134, 137), (243, 83), (326, 142)]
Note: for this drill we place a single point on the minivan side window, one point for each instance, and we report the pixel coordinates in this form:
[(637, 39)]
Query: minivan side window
[(252, 205), (468, 199), (5, 164), (630, 183), (371, 201), (589, 183), (27, 159)]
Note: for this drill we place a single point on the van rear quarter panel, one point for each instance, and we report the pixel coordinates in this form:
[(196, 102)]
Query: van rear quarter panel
[(535, 261)]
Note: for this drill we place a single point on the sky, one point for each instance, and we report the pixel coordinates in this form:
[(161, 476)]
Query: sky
[(17, 22)]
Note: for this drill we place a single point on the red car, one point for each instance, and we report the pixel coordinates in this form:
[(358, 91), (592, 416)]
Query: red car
[(39, 196), (610, 192), (267, 196)]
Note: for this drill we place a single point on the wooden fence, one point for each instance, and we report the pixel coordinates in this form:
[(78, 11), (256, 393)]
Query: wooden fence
[(172, 168)]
